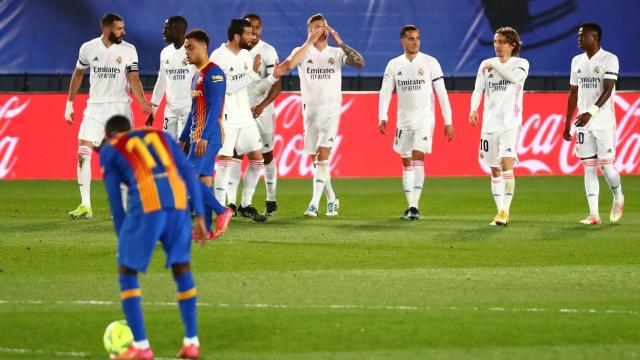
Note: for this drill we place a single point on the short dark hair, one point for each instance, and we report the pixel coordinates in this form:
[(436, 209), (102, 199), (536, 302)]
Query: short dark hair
[(406, 28), (512, 37), (315, 17), (199, 35), (117, 124), (108, 19), (591, 26), (253, 16), (237, 26), (178, 20)]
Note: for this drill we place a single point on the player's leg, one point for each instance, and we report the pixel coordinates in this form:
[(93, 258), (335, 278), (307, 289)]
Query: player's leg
[(250, 142), (417, 163), (488, 155), (234, 179), (170, 124), (605, 140), (310, 148), (223, 163), (327, 139), (266, 126), (402, 146), (586, 149), (507, 141)]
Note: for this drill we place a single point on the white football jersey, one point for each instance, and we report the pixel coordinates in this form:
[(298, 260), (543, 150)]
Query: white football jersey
[(413, 82), (259, 89), (238, 69), (174, 78), (321, 81), (502, 98), (588, 75), (108, 68)]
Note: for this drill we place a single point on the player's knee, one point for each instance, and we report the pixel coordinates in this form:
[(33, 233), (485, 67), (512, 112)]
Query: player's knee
[(406, 162), (255, 155), (124, 270), (268, 157), (179, 269)]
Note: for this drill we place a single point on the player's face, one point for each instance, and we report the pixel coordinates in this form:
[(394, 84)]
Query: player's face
[(411, 42), (194, 50), (246, 38), (169, 33), (116, 32), (256, 28), (502, 46), (319, 24), (586, 39)]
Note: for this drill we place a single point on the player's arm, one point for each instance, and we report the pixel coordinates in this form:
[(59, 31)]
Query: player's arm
[(437, 79), (214, 92), (608, 84), (476, 97), (572, 103), (353, 57), (76, 80), (511, 75), (298, 54), (274, 90), (138, 91), (384, 99), (159, 90), (112, 182)]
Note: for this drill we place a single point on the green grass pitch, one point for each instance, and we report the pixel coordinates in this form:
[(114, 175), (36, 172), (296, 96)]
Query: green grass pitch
[(365, 285)]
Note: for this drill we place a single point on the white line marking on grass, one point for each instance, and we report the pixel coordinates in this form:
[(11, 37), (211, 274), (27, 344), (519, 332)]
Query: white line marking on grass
[(42, 352), (332, 306)]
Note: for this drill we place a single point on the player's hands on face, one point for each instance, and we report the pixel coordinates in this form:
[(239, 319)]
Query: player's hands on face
[(473, 118), (201, 146), (335, 35), (582, 120), (68, 112), (566, 134), (448, 132), (382, 127), (200, 231), (256, 63), (315, 34)]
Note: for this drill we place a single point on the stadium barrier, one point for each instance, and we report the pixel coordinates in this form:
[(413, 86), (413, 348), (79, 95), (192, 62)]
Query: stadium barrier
[(37, 143)]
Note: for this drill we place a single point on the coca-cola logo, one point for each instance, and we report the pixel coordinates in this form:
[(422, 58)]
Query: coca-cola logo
[(11, 109), (541, 147), (289, 140)]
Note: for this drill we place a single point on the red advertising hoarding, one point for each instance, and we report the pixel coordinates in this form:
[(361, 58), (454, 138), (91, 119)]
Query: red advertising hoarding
[(37, 143)]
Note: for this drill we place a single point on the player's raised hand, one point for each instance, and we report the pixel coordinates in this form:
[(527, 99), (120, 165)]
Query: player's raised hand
[(68, 112), (256, 63), (201, 147), (473, 118), (335, 35), (448, 132), (200, 231), (382, 127), (315, 34)]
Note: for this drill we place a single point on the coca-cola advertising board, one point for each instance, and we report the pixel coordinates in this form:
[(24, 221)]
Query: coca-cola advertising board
[(37, 143)]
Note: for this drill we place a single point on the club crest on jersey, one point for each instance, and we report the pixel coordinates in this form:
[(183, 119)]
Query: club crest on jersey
[(246, 67), (420, 72), (596, 69), (185, 61), (386, 76), (331, 61), (119, 60), (199, 80)]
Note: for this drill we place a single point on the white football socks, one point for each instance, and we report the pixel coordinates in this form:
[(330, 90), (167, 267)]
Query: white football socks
[(509, 187), (221, 179), (418, 169), (497, 189), (613, 179), (271, 179), (591, 185), (251, 177), (84, 174), (234, 180), (319, 181), (408, 179)]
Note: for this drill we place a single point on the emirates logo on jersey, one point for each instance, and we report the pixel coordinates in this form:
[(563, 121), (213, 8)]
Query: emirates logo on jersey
[(119, 60), (420, 72), (331, 61)]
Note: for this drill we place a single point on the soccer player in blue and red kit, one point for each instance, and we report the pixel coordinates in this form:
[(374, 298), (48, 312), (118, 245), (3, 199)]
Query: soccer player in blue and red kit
[(160, 181), (204, 125)]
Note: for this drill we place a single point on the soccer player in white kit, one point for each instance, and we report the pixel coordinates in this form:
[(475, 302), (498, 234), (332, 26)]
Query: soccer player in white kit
[(174, 78), (261, 99), (319, 68), (113, 68), (501, 79), (593, 86), (240, 129), (415, 76)]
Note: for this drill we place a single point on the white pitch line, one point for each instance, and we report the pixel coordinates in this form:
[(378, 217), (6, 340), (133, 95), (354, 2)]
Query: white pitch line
[(42, 352), (333, 307)]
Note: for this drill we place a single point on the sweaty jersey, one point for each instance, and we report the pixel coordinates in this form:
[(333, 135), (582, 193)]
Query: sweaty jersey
[(502, 98), (320, 75), (205, 118), (154, 168), (258, 90), (414, 83), (238, 69), (588, 75), (108, 68), (174, 78)]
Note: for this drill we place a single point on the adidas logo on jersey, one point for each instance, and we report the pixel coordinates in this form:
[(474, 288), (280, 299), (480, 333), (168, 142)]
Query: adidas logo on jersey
[(96, 59), (490, 76), (399, 73), (425, 138), (166, 62), (509, 150), (331, 140), (579, 71), (309, 61), (609, 151), (231, 69)]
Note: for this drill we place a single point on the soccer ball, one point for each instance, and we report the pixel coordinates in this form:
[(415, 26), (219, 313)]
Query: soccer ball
[(118, 337)]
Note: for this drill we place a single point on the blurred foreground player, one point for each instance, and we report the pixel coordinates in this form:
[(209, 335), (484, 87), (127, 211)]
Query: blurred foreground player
[(160, 181)]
